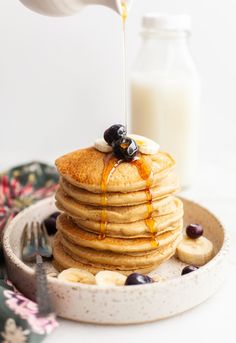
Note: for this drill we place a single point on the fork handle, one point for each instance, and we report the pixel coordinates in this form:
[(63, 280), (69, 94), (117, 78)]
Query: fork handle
[(42, 294)]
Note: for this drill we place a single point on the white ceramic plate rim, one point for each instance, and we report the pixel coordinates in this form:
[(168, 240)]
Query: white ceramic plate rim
[(7, 247)]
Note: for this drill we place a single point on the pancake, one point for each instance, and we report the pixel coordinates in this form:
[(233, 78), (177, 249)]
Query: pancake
[(168, 185), (84, 169), (88, 255), (130, 230), (124, 214), (62, 261), (118, 215), (117, 231), (74, 234)]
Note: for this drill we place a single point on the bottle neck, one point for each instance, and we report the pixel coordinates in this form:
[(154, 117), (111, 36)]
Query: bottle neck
[(165, 52), (165, 34), (166, 39)]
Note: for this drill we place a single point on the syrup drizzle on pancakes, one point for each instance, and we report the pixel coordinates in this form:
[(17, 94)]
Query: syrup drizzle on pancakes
[(110, 165), (146, 174)]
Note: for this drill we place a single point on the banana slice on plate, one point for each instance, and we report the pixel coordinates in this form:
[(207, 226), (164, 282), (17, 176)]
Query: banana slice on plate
[(52, 274), (195, 251), (77, 275), (110, 278), (158, 278), (146, 146)]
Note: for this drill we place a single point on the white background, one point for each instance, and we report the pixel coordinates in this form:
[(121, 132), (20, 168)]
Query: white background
[(60, 79), (60, 87)]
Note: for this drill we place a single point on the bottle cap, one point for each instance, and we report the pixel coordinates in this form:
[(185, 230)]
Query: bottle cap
[(161, 21)]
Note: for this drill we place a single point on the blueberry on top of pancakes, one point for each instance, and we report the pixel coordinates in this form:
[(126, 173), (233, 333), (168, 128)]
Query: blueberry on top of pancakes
[(114, 133), (125, 149)]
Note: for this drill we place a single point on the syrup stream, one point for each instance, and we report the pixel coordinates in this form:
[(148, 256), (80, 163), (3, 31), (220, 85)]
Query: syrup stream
[(111, 163), (124, 15)]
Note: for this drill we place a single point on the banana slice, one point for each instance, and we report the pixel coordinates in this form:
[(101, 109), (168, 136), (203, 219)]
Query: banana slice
[(77, 276), (195, 251), (52, 274), (158, 278), (146, 146), (101, 145), (109, 278)]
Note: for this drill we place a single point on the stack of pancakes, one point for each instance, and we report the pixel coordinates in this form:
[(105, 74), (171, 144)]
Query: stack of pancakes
[(116, 215)]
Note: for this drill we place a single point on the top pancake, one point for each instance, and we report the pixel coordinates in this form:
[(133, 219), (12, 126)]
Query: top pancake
[(84, 169)]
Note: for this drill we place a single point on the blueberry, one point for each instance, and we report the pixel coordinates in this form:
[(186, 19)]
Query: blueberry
[(189, 269), (50, 224), (138, 279), (125, 149), (55, 214), (194, 231), (114, 133)]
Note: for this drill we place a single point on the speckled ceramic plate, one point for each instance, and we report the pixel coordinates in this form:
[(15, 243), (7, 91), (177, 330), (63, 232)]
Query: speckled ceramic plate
[(126, 304)]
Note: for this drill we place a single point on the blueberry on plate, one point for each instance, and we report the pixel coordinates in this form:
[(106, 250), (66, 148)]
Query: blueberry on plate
[(50, 223), (125, 149), (189, 269), (194, 231), (114, 133), (138, 279)]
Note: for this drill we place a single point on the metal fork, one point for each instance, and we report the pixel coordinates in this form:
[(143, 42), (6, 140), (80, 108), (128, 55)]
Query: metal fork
[(36, 245)]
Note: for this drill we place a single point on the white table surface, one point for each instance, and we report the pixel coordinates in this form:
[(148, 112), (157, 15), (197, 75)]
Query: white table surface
[(212, 321)]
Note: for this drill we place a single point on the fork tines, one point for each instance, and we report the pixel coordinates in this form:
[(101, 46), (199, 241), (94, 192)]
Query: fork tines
[(35, 241)]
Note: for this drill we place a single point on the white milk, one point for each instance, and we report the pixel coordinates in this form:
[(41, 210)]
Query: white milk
[(167, 111), (165, 91)]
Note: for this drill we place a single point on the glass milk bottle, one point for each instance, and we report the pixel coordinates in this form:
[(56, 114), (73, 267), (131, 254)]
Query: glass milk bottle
[(165, 91)]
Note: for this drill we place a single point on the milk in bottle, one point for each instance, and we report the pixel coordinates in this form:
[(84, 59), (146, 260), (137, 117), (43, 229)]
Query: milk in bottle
[(165, 91)]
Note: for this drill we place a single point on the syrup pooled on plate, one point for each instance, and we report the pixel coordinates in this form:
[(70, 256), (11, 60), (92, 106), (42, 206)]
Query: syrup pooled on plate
[(110, 165)]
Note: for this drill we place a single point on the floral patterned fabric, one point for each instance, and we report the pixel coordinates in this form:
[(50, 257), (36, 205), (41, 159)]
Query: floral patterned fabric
[(20, 187), (23, 185)]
